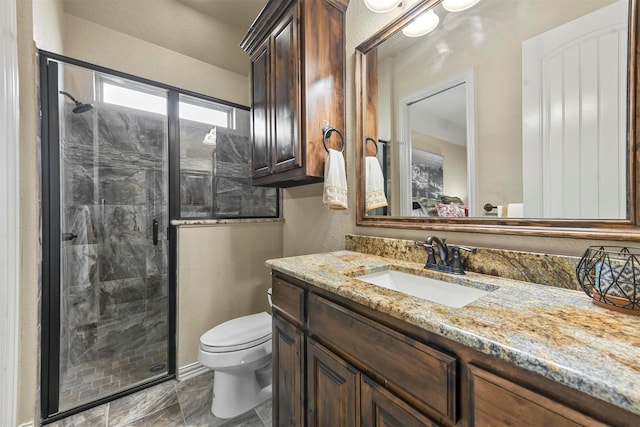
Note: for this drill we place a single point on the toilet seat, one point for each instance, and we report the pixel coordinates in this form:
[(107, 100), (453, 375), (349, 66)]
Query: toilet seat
[(237, 334)]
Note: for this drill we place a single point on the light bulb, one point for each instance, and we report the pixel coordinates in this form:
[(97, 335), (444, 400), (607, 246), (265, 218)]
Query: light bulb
[(381, 6), (422, 24), (458, 5)]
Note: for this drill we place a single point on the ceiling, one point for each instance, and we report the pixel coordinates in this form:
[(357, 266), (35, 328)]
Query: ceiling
[(207, 30)]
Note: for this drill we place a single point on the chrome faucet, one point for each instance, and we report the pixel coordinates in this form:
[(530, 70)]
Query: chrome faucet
[(450, 260)]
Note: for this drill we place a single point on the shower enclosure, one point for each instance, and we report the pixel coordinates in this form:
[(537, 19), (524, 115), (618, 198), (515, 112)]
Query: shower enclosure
[(107, 322)]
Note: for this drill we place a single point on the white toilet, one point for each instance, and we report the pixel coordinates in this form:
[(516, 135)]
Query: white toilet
[(239, 351)]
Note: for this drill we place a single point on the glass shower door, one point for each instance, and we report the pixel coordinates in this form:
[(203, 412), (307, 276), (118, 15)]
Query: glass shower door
[(113, 204)]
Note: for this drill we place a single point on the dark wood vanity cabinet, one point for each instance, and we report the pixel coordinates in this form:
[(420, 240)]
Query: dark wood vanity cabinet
[(288, 354), (339, 358), (297, 53), (498, 401), (333, 388), (419, 374), (288, 370), (337, 363), (338, 394), (379, 407)]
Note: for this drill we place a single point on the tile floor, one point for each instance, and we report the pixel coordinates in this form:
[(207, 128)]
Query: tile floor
[(172, 403), (86, 382)]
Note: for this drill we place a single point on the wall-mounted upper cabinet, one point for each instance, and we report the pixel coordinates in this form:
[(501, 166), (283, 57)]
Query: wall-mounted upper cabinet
[(297, 53)]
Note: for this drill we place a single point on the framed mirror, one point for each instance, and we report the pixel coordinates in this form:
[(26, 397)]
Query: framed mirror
[(514, 117)]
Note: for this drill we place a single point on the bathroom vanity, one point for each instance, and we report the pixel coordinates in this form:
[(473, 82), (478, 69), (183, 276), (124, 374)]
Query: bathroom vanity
[(346, 352)]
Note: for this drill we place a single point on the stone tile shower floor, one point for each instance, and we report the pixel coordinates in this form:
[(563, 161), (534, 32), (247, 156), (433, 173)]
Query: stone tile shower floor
[(84, 382), (172, 403)]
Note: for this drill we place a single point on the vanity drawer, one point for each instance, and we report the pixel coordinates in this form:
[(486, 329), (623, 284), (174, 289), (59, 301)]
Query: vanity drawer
[(498, 401), (288, 299), (421, 375)]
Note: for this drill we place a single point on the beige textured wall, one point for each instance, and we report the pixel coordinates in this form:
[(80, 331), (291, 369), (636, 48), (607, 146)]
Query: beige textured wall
[(171, 24), (102, 46), (29, 216), (221, 275), (309, 227), (48, 22)]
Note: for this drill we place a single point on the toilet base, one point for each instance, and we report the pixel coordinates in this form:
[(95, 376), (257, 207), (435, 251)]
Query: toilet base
[(237, 392)]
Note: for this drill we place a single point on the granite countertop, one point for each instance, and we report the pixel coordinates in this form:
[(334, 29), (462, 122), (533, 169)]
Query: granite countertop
[(557, 333)]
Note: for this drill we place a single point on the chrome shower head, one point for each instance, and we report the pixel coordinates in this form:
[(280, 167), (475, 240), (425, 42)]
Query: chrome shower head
[(80, 107)]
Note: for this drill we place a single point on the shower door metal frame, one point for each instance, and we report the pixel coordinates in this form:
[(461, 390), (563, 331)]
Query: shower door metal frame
[(51, 234)]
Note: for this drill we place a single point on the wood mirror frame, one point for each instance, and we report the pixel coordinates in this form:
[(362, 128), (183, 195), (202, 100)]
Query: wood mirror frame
[(366, 120)]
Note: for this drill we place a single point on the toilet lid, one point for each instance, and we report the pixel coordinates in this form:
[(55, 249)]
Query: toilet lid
[(238, 334)]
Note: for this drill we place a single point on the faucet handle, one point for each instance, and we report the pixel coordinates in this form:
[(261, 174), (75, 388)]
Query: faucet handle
[(456, 261), (431, 258)]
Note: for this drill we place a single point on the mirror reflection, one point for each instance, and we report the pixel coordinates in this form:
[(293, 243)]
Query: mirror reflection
[(511, 109)]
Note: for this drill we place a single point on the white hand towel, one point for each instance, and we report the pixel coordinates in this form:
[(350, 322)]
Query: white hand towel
[(511, 210), (375, 197), (334, 195)]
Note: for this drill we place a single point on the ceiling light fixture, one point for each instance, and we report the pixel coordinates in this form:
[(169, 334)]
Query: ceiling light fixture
[(382, 6), (458, 5), (422, 24)]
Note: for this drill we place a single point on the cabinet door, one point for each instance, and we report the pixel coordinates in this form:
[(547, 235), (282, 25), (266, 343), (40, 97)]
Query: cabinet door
[(419, 374), (288, 367), (333, 388), (260, 111), (498, 401), (381, 408), (285, 96)]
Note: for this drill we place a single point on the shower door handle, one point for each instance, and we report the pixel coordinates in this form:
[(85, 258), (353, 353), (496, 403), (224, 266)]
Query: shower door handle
[(155, 232), (68, 236)]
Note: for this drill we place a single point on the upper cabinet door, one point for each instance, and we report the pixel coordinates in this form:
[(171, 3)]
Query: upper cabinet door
[(260, 111), (305, 80), (286, 98)]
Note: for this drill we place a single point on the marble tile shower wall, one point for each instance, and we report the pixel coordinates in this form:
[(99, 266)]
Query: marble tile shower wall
[(217, 181), (114, 168)]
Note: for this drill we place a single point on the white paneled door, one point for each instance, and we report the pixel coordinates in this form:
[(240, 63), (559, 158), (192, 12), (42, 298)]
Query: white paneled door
[(574, 118)]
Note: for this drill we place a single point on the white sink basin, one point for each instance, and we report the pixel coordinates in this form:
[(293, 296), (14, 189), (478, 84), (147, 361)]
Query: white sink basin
[(434, 290)]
